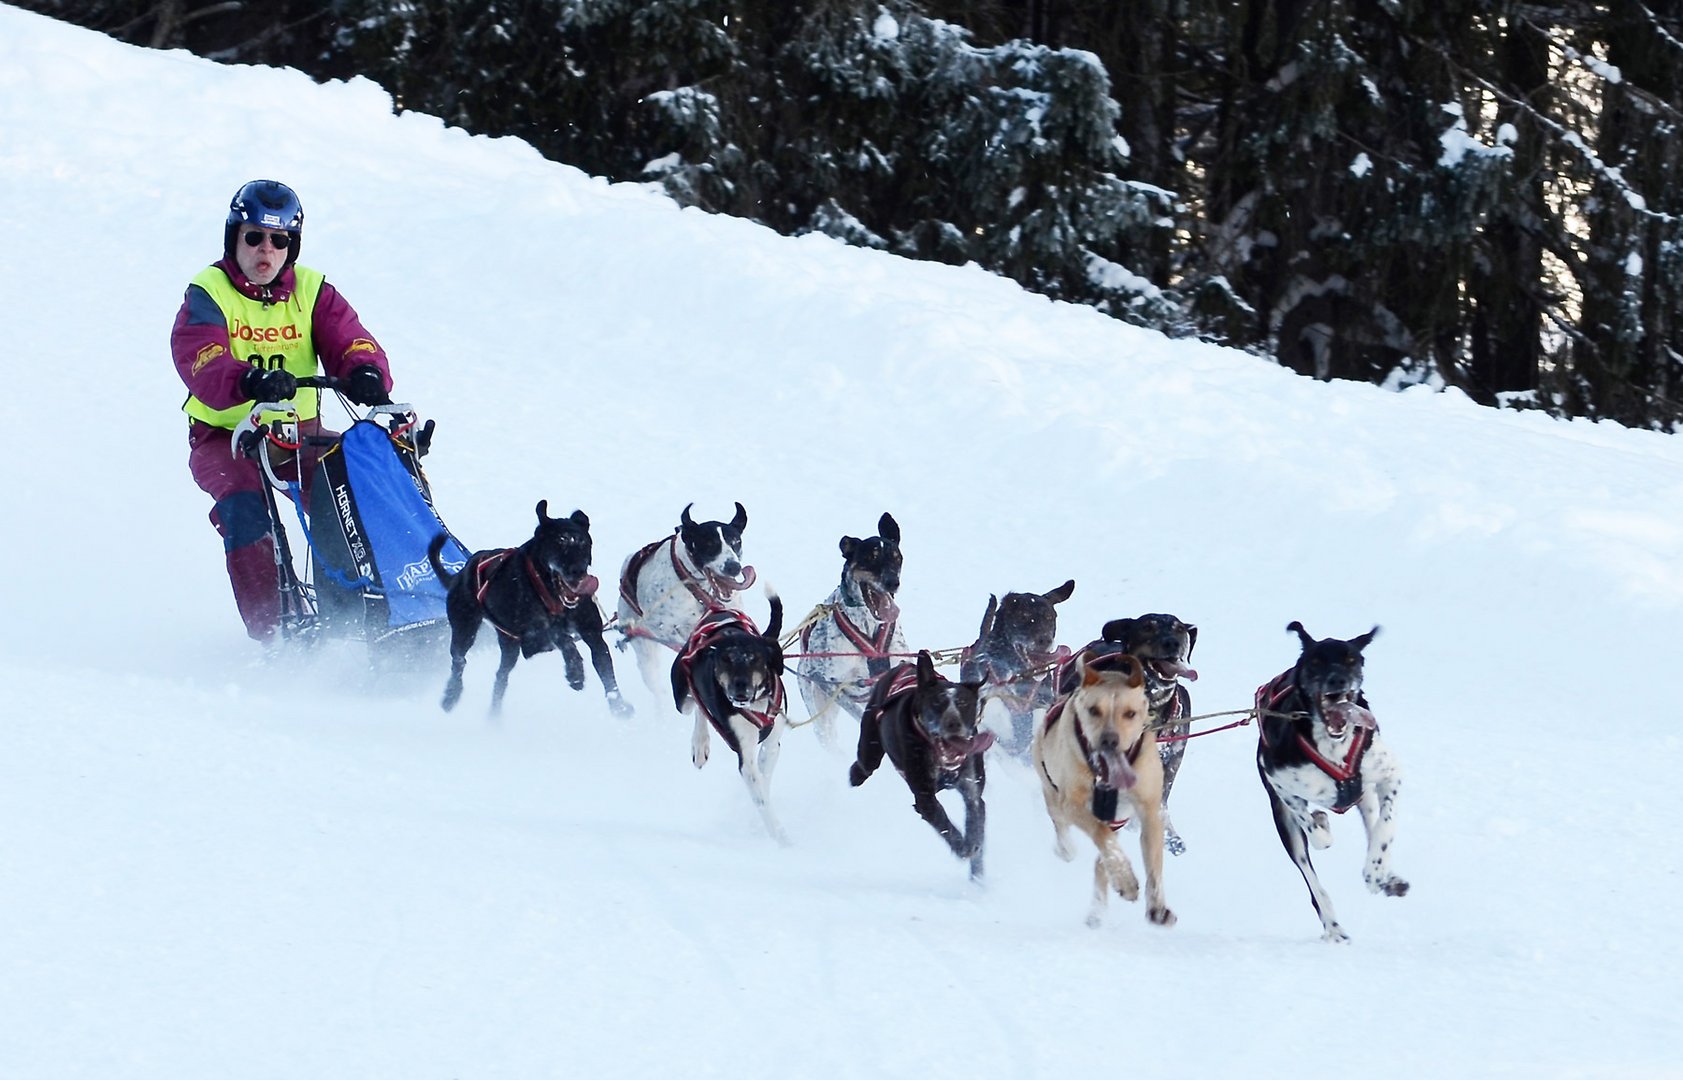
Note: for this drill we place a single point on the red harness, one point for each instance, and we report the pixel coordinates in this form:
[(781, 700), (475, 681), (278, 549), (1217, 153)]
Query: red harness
[(714, 599), (1275, 692), (1055, 711), (562, 597), (949, 753), (710, 627)]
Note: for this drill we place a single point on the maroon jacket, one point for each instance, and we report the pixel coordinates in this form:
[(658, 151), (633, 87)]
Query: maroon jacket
[(201, 323)]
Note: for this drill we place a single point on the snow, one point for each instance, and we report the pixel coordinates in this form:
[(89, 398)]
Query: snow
[(212, 867)]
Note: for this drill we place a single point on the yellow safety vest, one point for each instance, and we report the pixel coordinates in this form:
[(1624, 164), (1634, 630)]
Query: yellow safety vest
[(274, 335)]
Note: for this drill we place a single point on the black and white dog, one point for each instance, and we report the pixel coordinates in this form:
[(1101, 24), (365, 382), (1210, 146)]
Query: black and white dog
[(666, 587), (857, 633), (1012, 658), (926, 725), (1163, 645), (1320, 747), (539, 596), (731, 677)]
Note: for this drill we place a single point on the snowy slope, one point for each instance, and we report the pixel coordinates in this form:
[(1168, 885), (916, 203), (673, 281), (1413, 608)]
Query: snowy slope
[(210, 867)]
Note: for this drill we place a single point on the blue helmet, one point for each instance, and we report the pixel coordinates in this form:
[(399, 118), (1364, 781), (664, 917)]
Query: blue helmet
[(267, 204)]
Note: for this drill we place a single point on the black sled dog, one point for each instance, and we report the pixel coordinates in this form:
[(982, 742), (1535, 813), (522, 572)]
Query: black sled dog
[(1013, 657), (926, 725), (1319, 746), (539, 596)]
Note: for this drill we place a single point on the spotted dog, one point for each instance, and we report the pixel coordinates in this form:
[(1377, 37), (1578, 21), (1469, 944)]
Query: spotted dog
[(1096, 757), (667, 586), (926, 725), (1012, 657), (730, 676), (1319, 746), (539, 596), (858, 633)]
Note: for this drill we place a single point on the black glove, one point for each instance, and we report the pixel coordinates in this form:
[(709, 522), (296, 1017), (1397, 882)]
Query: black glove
[(276, 385), (364, 386)]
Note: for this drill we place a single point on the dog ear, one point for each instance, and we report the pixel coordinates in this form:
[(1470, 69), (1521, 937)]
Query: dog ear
[(684, 518), (987, 616), (1084, 675), (1362, 642), (1129, 669), (580, 519), (1191, 639), (1062, 592), (1303, 634), (680, 686), (774, 629), (888, 528), (925, 669), (849, 544), (1117, 630), (740, 521), (543, 511)]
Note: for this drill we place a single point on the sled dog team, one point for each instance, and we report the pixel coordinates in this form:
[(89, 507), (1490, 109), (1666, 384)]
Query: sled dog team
[(1104, 727)]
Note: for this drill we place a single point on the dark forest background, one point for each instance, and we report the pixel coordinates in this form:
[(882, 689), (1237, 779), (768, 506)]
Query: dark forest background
[(1453, 192)]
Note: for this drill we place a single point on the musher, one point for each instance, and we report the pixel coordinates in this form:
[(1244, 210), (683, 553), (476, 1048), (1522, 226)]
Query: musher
[(251, 325)]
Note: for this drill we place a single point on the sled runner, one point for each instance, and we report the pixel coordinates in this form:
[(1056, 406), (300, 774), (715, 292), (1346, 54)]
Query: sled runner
[(369, 520)]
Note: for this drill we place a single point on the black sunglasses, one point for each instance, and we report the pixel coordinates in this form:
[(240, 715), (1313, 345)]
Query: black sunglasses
[(254, 238)]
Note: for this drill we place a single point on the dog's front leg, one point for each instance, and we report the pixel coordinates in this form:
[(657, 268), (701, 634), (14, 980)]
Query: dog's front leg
[(1379, 794), (570, 658), (603, 662), (975, 814), (1286, 823), (510, 653), (1112, 858), (930, 809), (701, 738), (758, 779), (1151, 853)]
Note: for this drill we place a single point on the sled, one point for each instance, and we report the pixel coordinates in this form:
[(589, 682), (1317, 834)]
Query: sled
[(367, 526)]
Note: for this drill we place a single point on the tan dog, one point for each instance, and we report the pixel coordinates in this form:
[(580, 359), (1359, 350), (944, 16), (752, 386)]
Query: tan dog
[(1099, 769)]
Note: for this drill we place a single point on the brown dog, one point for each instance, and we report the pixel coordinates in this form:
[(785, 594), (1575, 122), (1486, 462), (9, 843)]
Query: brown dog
[(1097, 759)]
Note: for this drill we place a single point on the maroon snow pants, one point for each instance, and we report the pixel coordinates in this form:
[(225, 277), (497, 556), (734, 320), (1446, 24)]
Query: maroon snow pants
[(235, 484)]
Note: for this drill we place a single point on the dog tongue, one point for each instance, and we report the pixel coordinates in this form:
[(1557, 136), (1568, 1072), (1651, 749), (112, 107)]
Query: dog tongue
[(587, 585), (1348, 713), (883, 606)]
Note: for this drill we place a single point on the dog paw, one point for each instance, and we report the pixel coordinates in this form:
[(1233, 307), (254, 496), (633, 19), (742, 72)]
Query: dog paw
[(619, 706), (1063, 851), (1128, 888), (1320, 831), (1335, 935), (1173, 843), (1387, 885), (1093, 921), (1160, 916), (699, 749), (856, 775)]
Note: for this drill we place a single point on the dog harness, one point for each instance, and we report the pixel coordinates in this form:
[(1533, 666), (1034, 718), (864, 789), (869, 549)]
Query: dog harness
[(706, 631), (713, 599), (569, 597), (1104, 798), (873, 649), (1346, 775), (950, 754)]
